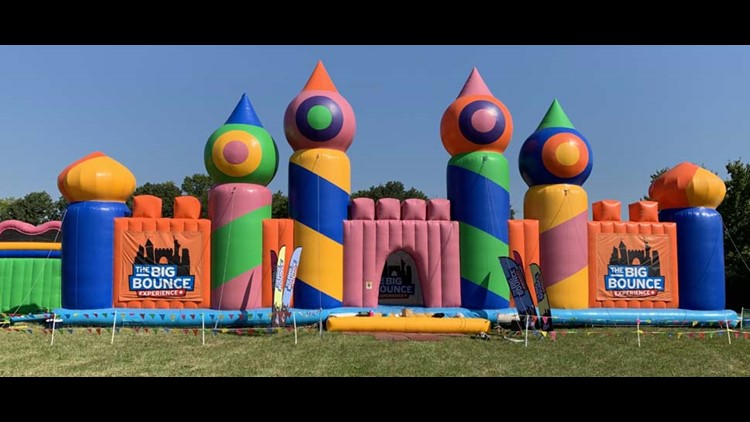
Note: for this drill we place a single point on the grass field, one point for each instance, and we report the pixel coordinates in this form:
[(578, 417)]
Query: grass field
[(582, 352)]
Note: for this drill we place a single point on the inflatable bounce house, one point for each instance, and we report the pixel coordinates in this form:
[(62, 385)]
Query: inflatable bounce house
[(29, 267), (413, 258)]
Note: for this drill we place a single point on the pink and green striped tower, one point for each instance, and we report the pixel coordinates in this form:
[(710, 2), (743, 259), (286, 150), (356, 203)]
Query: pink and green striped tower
[(242, 159), (555, 161)]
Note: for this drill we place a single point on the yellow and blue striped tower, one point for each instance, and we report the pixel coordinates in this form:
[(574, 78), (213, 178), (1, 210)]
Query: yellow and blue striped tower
[(555, 161), (475, 130), (319, 125)]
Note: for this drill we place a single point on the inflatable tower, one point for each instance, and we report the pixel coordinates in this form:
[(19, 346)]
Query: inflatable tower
[(242, 159), (688, 195), (319, 125), (96, 188), (475, 130), (554, 162)]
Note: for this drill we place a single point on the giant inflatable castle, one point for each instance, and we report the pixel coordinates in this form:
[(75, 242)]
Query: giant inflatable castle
[(398, 262)]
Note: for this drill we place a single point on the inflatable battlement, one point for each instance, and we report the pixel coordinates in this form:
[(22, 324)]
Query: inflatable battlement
[(632, 264), (393, 209), (422, 229), (162, 262)]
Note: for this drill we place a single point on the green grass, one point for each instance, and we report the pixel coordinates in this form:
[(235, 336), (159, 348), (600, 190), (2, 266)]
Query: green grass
[(604, 352)]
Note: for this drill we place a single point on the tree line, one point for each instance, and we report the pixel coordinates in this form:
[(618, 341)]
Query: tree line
[(735, 212), (39, 207)]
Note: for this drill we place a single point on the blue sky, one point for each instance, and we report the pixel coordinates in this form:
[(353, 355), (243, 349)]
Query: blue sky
[(153, 107)]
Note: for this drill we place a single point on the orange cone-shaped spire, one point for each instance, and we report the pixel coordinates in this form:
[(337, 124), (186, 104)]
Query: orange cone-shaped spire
[(319, 80), (474, 85)]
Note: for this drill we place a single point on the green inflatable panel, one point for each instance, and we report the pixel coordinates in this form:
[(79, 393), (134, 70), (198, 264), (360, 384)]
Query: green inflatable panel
[(29, 284)]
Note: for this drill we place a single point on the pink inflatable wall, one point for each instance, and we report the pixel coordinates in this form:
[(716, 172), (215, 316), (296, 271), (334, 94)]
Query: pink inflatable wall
[(421, 229)]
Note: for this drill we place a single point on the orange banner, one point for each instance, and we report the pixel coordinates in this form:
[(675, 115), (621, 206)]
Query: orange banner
[(161, 265), (633, 267)]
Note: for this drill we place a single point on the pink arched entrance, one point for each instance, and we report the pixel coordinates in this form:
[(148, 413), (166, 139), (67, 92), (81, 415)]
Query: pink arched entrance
[(422, 229), (399, 283)]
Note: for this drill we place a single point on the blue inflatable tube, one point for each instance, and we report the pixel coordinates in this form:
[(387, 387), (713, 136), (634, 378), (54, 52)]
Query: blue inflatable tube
[(27, 253), (87, 244), (700, 257), (652, 317), (181, 317), (30, 318), (262, 317)]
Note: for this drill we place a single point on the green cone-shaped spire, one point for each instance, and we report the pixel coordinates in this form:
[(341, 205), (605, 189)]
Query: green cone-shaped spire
[(555, 117)]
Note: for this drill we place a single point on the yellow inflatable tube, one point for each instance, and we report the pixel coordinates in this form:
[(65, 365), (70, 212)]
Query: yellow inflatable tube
[(409, 325), (26, 246)]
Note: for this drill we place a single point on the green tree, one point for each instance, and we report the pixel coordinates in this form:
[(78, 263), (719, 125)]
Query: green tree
[(198, 186), (735, 212), (35, 208), (167, 191), (280, 205), (59, 208), (5, 202), (392, 189)]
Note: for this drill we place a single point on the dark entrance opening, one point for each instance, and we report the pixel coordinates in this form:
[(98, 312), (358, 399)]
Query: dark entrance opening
[(399, 282)]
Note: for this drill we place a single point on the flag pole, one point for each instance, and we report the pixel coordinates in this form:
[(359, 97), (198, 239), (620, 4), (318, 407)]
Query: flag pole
[(294, 321), (526, 340), (729, 334), (114, 325), (638, 329), (53, 329)]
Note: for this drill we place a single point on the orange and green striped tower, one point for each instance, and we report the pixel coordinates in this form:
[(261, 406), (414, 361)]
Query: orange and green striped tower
[(475, 130)]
